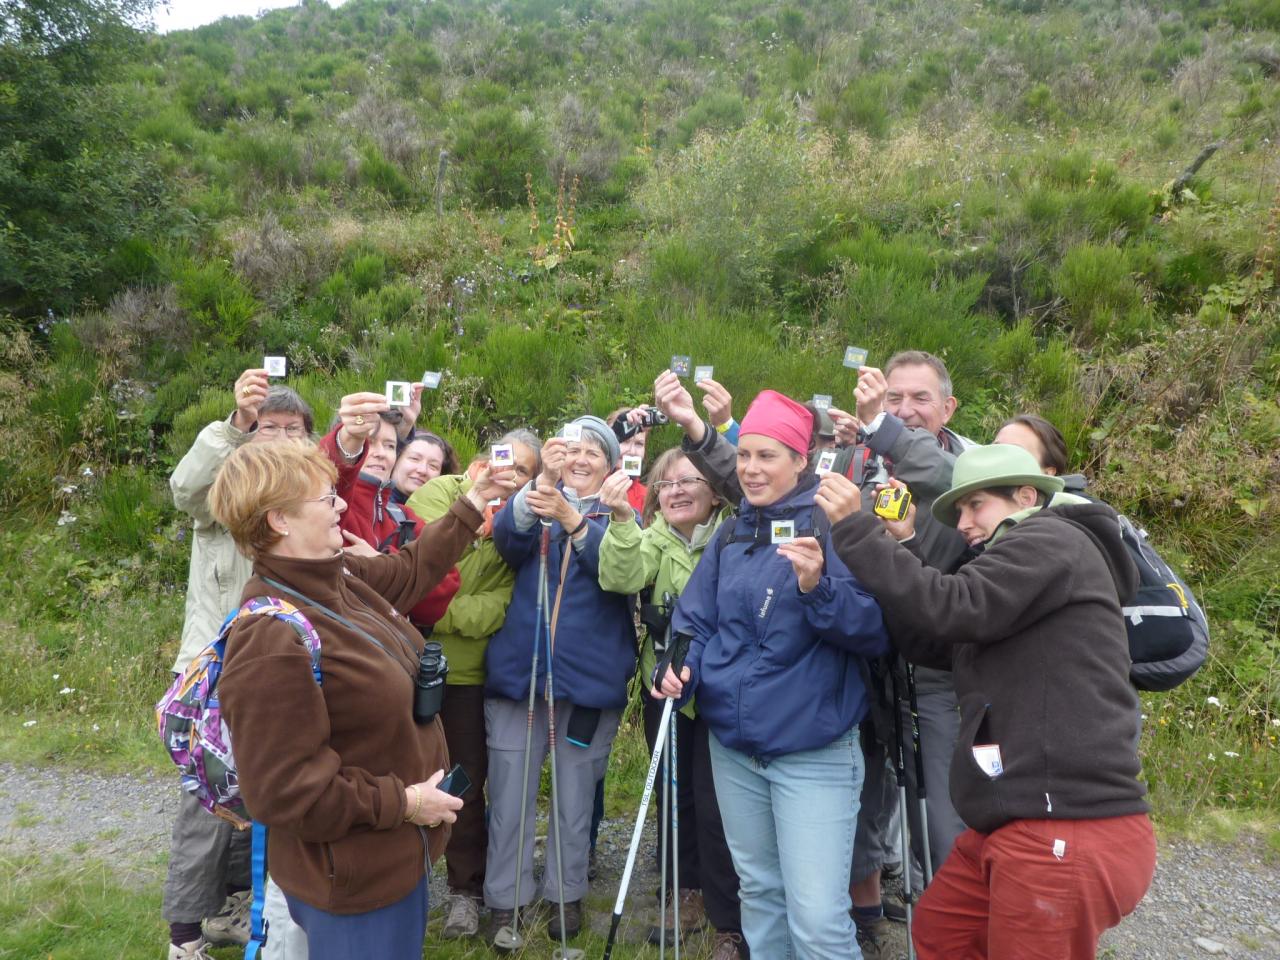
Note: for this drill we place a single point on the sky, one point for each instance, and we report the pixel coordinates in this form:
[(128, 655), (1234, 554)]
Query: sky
[(185, 14)]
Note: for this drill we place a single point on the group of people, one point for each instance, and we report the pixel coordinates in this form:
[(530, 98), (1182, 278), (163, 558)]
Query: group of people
[(997, 596)]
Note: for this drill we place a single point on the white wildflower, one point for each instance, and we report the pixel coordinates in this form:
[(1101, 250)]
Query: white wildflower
[(1214, 702), (1230, 753), (65, 690), (29, 723)]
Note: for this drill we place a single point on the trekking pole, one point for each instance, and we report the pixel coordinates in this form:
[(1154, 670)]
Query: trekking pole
[(900, 771), (508, 939), (664, 826), (563, 952), (681, 648), (920, 788), (675, 840)]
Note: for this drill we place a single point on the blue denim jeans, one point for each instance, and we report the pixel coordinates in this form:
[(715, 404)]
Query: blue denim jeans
[(790, 826)]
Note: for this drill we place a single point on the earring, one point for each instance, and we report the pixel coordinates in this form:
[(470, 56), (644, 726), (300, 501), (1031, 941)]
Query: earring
[(285, 534)]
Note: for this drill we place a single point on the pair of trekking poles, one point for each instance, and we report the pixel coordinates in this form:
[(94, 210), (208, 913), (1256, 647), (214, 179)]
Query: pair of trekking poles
[(510, 939), (900, 774)]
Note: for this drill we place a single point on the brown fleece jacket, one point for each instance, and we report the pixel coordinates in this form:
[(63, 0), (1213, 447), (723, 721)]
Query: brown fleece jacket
[(325, 766), (1040, 659)]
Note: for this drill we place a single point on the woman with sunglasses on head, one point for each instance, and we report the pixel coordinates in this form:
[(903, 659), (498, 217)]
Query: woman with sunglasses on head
[(781, 634), (681, 516), (342, 771)]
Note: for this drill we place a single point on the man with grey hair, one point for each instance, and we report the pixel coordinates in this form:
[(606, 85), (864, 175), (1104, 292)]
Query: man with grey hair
[(206, 892), (901, 432)]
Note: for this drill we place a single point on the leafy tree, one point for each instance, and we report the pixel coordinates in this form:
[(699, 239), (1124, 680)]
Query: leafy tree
[(72, 185)]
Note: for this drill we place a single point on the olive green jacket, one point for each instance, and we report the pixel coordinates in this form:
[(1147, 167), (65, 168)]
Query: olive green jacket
[(479, 607)]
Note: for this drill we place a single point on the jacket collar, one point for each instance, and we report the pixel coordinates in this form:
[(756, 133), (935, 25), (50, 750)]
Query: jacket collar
[(319, 580)]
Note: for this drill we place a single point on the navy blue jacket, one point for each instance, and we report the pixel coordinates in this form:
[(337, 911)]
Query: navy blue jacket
[(595, 643), (777, 671)]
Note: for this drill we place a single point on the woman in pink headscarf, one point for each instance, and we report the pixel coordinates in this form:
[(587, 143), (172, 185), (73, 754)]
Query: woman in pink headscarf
[(780, 634)]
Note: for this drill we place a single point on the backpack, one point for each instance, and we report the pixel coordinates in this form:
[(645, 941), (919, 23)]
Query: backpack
[(1168, 630), (189, 715)]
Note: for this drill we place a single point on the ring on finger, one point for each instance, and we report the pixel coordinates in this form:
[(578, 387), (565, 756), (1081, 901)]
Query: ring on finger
[(245, 391), (359, 419)]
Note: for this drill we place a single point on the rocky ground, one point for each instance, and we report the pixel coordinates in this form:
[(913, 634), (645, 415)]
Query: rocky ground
[(1207, 899)]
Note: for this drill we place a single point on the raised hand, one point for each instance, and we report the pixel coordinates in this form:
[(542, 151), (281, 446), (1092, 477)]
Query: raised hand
[(613, 494), (870, 392), (838, 496), (805, 554), (718, 402), (251, 391), (671, 397)]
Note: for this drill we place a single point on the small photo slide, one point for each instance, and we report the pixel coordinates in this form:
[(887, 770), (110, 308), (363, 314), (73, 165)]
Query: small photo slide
[(784, 531), (275, 366), (854, 357), (703, 373), (502, 455), (399, 393), (681, 365), (431, 379), (631, 466), (826, 460)]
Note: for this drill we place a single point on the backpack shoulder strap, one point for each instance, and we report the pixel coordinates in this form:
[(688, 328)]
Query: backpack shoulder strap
[(283, 610)]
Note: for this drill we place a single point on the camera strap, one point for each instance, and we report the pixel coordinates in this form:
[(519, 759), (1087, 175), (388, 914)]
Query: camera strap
[(338, 618), (555, 610)]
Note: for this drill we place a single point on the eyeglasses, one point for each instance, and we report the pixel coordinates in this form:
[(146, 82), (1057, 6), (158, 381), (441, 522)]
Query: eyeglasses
[(293, 431), (686, 485), (331, 496)]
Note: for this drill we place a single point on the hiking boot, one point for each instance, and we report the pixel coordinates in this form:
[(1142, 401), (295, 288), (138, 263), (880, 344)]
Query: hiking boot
[(195, 950), (873, 940), (895, 909), (727, 946), (461, 917), (572, 919), (229, 927), (497, 920), (891, 871), (693, 917)]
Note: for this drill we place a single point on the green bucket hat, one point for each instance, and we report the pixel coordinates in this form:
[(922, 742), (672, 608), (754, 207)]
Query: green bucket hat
[(997, 465)]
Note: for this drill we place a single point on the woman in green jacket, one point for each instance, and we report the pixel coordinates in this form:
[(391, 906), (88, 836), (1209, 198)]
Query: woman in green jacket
[(682, 514), (474, 614)]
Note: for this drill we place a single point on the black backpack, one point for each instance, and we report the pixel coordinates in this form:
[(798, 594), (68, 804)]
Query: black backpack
[(1168, 630)]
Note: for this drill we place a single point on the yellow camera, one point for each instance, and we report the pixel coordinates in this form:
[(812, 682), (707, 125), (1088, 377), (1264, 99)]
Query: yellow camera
[(892, 503)]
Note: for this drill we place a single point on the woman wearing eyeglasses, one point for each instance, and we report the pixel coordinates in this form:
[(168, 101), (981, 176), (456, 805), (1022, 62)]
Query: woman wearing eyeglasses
[(341, 771), (681, 516)]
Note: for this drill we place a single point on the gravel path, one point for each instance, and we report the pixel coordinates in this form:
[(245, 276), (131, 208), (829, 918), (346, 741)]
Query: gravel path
[(1207, 900)]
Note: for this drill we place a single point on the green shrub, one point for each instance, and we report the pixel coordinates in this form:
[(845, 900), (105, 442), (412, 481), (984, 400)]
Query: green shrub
[(862, 105), (219, 301), (717, 112), (366, 273), (379, 173), (1100, 293), (496, 147)]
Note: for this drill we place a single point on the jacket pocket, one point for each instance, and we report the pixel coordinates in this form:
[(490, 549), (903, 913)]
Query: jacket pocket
[(975, 792)]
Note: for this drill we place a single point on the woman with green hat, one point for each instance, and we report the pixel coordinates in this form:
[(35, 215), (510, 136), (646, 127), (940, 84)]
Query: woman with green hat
[(1045, 771)]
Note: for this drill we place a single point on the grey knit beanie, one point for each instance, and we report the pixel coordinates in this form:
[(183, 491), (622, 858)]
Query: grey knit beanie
[(604, 435)]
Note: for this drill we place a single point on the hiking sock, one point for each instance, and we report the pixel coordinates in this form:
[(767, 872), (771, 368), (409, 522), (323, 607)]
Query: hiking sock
[(181, 934), (864, 916)]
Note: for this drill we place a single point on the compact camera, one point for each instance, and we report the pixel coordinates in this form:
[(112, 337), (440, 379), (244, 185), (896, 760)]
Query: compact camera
[(892, 503), (624, 430)]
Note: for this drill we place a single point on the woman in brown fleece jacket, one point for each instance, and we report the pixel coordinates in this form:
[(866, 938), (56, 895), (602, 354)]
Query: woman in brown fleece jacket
[(339, 771)]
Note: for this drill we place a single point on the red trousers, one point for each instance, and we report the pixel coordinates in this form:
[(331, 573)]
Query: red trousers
[(1035, 889)]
